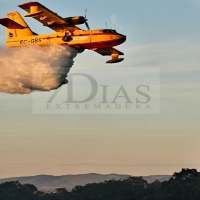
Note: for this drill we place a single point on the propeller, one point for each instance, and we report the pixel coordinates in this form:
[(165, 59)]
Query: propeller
[(86, 23), (85, 13)]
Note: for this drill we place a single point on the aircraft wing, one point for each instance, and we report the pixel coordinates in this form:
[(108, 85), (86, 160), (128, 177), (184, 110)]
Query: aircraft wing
[(110, 52), (46, 16)]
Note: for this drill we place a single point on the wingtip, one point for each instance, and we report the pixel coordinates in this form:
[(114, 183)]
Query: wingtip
[(28, 4), (115, 61)]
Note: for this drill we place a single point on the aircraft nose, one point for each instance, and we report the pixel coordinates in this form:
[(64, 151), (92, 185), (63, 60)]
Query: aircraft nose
[(123, 38)]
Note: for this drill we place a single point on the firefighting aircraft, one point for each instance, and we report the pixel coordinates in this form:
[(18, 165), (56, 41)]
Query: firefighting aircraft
[(66, 32)]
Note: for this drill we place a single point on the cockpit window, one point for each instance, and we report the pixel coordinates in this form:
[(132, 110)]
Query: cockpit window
[(109, 31)]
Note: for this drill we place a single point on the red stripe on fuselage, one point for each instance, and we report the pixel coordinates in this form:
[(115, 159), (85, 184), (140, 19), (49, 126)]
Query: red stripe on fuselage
[(102, 44)]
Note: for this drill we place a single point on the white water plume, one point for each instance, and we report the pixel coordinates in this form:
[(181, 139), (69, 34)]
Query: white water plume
[(25, 69)]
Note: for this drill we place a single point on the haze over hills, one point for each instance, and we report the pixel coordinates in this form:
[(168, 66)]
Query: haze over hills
[(49, 182)]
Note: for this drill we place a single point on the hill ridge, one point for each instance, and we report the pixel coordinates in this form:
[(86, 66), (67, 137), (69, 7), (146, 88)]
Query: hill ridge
[(46, 182)]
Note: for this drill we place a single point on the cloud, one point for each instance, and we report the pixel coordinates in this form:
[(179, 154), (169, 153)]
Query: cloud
[(173, 56), (113, 18), (115, 22)]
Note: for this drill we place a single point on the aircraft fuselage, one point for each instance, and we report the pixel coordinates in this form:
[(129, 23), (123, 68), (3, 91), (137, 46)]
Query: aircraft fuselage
[(78, 39)]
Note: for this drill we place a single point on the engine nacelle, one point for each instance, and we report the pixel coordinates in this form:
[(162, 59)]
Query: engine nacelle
[(75, 20)]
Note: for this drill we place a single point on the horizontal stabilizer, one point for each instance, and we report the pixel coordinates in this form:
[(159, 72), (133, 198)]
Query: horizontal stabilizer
[(9, 23)]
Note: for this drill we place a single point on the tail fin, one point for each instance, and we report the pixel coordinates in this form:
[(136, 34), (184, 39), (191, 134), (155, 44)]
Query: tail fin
[(16, 26)]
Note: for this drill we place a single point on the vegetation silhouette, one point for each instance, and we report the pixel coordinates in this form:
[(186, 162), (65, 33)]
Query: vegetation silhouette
[(184, 185)]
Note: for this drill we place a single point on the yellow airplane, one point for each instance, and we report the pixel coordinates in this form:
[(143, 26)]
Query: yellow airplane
[(66, 32)]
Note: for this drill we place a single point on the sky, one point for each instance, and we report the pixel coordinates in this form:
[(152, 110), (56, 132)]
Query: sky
[(162, 36)]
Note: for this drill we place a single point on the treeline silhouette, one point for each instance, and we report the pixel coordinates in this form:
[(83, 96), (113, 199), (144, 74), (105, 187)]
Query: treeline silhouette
[(184, 185)]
